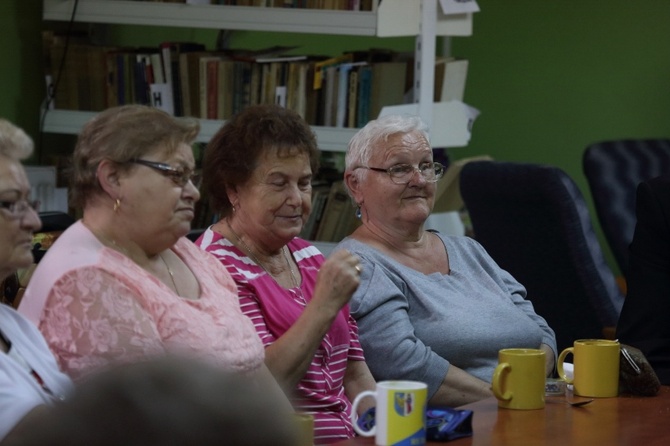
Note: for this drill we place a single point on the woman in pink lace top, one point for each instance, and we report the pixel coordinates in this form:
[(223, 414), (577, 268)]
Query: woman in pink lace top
[(123, 283)]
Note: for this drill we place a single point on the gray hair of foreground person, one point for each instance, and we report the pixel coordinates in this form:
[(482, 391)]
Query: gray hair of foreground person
[(163, 402)]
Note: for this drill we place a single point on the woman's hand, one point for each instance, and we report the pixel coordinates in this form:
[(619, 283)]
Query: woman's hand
[(289, 357), (550, 358), (338, 278)]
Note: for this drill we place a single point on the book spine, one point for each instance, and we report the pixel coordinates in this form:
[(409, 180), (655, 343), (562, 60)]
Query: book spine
[(212, 89)]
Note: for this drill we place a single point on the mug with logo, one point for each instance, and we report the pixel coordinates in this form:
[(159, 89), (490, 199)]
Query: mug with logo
[(519, 378), (596, 367), (400, 413)]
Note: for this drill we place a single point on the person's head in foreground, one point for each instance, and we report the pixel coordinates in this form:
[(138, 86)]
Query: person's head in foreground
[(166, 401)]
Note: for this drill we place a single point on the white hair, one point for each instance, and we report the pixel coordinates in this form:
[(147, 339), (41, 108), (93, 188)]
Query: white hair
[(370, 138), (14, 142)]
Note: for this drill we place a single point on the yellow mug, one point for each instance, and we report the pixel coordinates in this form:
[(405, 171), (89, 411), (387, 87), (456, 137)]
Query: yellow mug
[(596, 367), (304, 428), (400, 413), (519, 378)]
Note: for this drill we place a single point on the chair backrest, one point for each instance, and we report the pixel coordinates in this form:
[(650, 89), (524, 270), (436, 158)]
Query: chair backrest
[(194, 234), (53, 225), (613, 170), (533, 221)]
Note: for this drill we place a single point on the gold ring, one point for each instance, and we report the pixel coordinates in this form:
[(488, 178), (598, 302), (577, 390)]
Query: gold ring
[(357, 268)]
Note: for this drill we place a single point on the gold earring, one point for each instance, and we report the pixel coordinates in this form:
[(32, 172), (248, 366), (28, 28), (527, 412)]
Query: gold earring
[(117, 204)]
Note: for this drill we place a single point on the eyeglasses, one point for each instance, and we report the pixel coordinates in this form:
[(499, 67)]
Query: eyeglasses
[(403, 173), (180, 177), (19, 208)]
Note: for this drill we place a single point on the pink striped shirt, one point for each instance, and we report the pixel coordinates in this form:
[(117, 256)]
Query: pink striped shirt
[(273, 309)]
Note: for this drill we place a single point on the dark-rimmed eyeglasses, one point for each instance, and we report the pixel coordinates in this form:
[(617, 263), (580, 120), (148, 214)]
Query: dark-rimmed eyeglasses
[(19, 208), (403, 173), (180, 177)]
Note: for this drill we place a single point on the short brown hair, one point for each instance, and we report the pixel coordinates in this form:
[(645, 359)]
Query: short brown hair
[(232, 154), (121, 134)]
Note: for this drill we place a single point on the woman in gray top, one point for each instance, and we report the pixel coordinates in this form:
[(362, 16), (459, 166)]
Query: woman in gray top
[(430, 307)]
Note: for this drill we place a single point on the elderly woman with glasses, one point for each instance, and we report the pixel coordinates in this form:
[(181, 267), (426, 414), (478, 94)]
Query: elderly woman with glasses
[(124, 283), (29, 376), (430, 307)]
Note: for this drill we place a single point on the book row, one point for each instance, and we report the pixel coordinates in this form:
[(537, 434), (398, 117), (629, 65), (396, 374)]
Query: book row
[(332, 218), (187, 80)]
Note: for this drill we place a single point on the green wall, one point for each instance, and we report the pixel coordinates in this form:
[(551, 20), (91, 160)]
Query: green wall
[(552, 76), (21, 73), (549, 76)]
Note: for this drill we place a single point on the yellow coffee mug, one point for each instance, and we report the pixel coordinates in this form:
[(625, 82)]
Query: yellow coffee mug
[(518, 379), (304, 428), (596, 367)]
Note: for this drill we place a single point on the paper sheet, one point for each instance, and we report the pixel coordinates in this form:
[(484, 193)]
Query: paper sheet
[(459, 6)]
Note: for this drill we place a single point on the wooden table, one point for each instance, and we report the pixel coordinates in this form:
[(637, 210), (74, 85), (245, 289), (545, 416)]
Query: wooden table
[(618, 421)]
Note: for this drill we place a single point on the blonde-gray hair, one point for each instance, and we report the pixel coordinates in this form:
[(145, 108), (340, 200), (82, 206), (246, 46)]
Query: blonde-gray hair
[(121, 134), (14, 142)]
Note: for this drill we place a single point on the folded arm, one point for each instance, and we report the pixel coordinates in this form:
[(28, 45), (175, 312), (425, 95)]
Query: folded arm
[(459, 387)]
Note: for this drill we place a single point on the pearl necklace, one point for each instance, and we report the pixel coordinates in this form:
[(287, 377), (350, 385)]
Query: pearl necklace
[(250, 253)]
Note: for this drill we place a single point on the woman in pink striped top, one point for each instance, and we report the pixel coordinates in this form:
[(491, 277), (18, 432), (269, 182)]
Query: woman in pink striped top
[(258, 170)]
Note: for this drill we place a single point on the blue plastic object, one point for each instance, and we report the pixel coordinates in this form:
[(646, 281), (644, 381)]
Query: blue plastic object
[(442, 423)]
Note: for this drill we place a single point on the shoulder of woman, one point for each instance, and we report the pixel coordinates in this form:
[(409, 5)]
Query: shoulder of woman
[(298, 243), (352, 245), (12, 321), (199, 256), (461, 242)]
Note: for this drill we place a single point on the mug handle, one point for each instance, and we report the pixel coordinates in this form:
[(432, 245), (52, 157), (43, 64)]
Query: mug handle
[(354, 413), (496, 382), (559, 365)]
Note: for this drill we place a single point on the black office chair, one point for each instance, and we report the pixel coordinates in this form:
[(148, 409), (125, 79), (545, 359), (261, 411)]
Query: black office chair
[(613, 170), (194, 234), (53, 225), (533, 221)]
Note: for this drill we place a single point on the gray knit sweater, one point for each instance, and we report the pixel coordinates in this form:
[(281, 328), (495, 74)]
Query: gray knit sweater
[(412, 325)]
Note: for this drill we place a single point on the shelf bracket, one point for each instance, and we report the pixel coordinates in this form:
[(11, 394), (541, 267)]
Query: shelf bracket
[(424, 65)]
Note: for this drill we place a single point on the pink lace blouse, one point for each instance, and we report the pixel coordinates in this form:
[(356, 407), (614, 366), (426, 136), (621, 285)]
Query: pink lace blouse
[(95, 306)]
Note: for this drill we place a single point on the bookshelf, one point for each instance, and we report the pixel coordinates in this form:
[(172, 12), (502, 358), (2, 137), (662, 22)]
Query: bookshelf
[(390, 18), (422, 19)]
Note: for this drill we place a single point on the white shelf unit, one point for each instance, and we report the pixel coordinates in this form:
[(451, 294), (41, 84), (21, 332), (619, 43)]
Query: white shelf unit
[(391, 18), (70, 122)]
